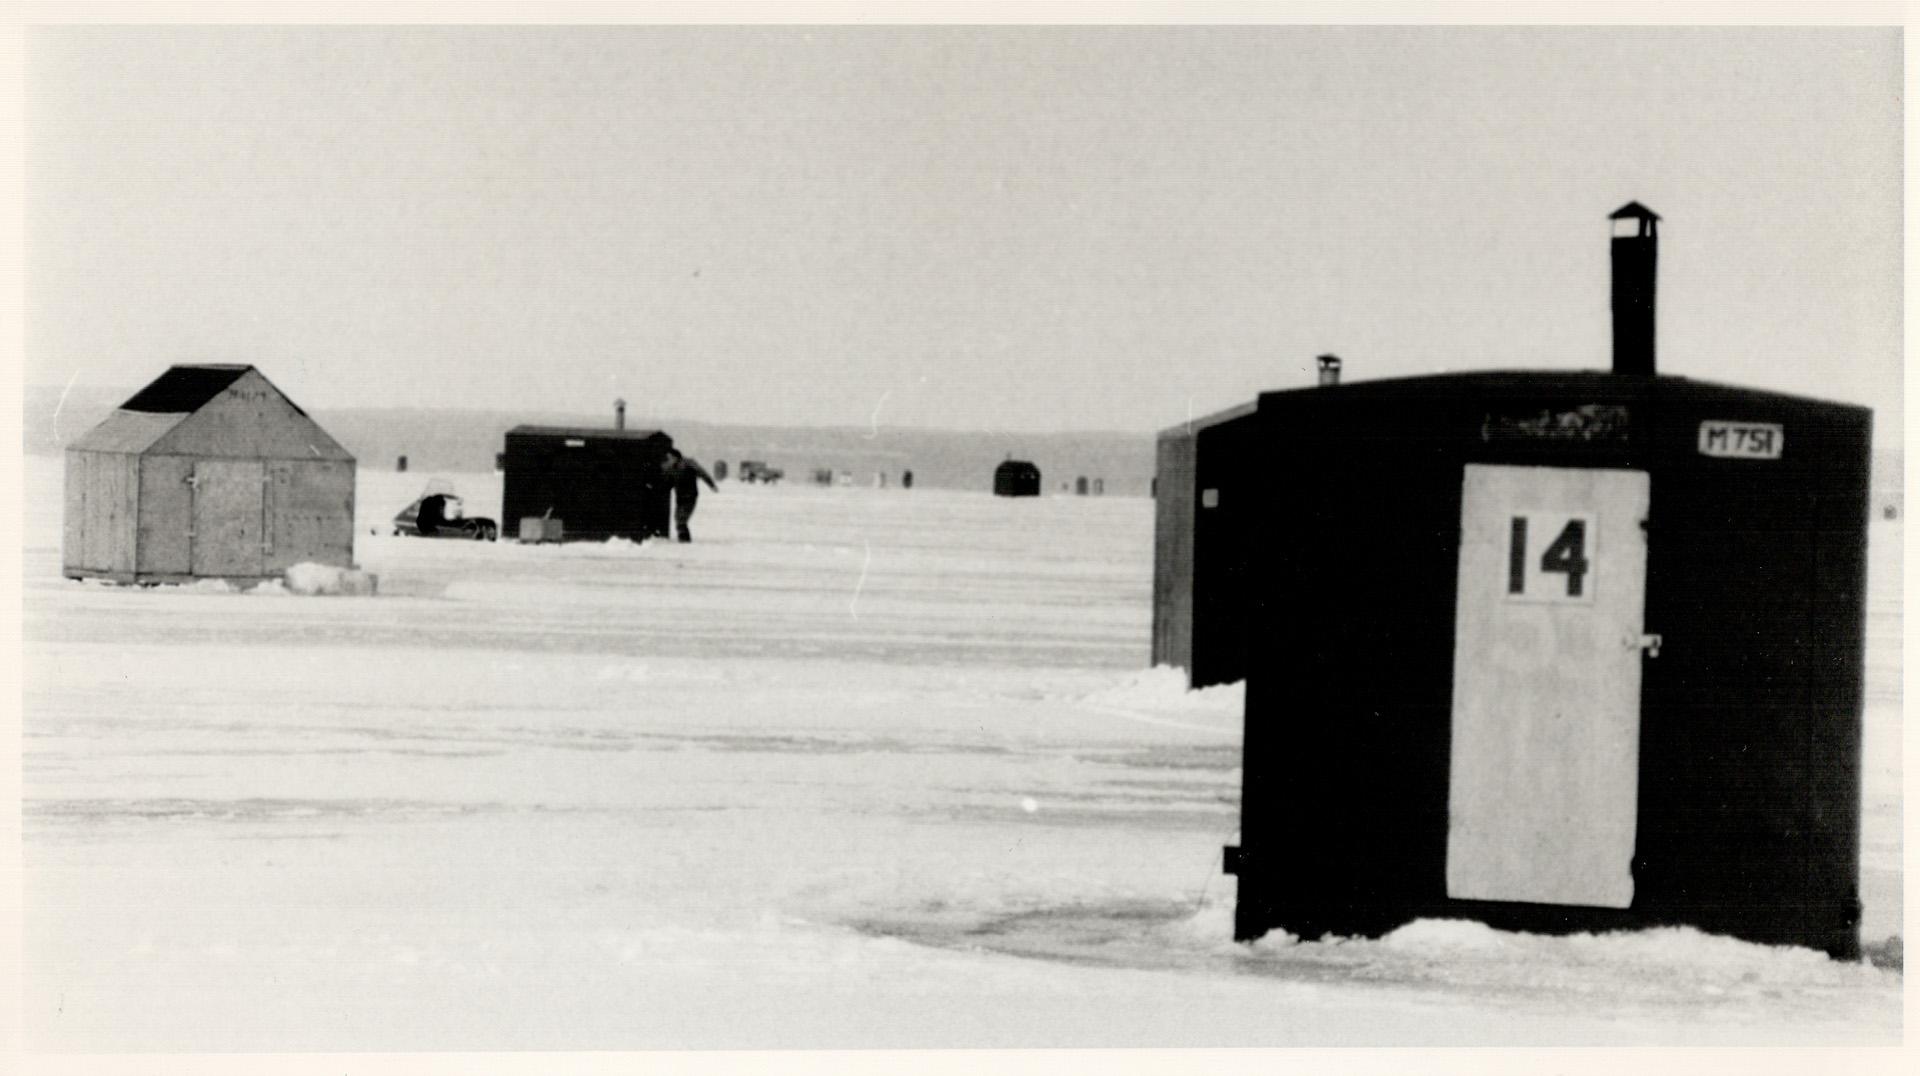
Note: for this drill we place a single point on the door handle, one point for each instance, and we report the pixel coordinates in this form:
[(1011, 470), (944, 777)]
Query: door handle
[(1649, 643)]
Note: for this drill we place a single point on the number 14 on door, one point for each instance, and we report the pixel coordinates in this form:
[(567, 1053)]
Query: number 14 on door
[(1550, 557)]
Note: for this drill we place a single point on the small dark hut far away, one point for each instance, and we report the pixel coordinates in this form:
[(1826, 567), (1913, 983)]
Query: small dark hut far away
[(1016, 478)]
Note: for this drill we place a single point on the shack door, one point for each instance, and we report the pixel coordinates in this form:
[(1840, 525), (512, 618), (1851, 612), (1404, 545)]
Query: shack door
[(1546, 685), (228, 517), (309, 514)]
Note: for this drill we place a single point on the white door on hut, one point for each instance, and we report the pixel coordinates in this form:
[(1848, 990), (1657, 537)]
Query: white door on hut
[(228, 517), (1542, 802)]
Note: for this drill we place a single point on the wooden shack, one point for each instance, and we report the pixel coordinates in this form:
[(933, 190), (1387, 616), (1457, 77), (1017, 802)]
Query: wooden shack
[(208, 472)]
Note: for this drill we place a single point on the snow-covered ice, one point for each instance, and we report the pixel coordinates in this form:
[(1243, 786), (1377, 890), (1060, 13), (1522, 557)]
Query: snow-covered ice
[(858, 768)]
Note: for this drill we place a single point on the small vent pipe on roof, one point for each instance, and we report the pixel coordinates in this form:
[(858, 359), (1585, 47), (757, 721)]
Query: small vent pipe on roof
[(1329, 369)]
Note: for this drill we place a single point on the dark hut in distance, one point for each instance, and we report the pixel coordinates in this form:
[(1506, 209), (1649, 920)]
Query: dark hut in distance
[(1016, 478), (208, 472), (601, 483)]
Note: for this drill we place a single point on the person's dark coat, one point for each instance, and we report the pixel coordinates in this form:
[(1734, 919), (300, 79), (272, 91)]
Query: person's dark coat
[(432, 515), (686, 475)]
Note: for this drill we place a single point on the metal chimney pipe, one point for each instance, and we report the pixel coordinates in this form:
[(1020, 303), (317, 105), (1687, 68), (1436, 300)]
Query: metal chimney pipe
[(619, 414), (1329, 369), (1636, 256)]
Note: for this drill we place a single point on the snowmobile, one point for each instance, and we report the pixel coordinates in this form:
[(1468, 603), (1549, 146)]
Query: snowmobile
[(441, 514)]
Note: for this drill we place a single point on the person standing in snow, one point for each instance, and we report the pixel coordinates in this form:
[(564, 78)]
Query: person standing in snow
[(431, 514), (685, 475)]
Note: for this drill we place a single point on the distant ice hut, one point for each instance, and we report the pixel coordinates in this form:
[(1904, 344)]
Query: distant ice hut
[(1016, 478), (208, 472)]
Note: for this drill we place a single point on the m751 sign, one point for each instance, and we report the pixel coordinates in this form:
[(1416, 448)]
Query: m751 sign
[(1742, 440)]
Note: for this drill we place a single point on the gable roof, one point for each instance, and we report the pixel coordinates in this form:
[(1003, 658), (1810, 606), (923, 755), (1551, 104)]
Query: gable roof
[(191, 409), (127, 431), (184, 389)]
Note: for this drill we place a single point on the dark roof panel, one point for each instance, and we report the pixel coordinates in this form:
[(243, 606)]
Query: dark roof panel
[(184, 389)]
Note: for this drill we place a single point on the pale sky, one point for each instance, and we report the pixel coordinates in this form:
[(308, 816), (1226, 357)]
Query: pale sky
[(996, 228)]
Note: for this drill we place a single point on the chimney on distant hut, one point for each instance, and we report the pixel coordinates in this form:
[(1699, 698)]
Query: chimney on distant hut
[(619, 414), (1329, 369)]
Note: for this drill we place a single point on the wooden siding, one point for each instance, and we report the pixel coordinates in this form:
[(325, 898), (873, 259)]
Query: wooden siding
[(74, 513), (309, 510), (166, 516), (228, 517), (102, 502)]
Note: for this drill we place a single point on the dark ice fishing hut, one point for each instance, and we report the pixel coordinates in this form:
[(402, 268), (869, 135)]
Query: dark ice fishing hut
[(1016, 478), (601, 483), (1569, 651), (1200, 560)]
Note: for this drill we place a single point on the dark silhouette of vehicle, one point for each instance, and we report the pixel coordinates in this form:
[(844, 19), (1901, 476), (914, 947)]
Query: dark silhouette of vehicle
[(758, 471), (441, 515)]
